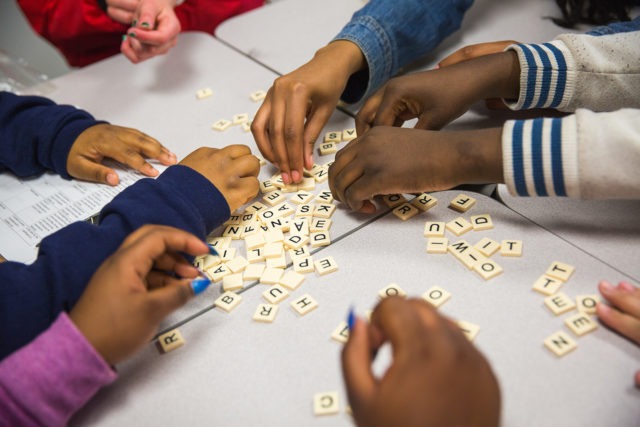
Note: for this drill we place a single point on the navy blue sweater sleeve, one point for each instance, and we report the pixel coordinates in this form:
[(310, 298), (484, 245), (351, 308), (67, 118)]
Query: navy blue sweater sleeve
[(36, 134), (32, 296)]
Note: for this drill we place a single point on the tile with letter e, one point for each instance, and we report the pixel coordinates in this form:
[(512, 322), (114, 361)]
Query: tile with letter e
[(559, 303), (580, 324)]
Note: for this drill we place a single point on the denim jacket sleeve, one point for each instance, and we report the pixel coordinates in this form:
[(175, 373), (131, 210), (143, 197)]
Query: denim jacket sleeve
[(393, 33)]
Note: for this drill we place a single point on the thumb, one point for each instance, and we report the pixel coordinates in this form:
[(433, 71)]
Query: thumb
[(356, 368), (147, 13), (164, 301)]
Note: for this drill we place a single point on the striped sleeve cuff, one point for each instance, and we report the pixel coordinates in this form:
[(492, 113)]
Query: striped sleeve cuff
[(547, 76), (540, 157)]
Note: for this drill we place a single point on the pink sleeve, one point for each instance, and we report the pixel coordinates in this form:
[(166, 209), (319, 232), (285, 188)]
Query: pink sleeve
[(49, 379)]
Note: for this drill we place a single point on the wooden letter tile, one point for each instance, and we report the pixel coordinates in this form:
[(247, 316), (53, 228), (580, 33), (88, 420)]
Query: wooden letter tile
[(436, 296), (559, 303), (171, 340), (265, 313), (560, 343), (304, 304)]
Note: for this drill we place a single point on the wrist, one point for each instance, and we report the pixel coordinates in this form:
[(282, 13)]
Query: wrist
[(480, 153), (503, 73), (343, 54)]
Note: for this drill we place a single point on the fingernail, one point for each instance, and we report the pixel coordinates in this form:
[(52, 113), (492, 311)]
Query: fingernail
[(132, 35), (112, 179), (124, 37), (436, 67), (134, 23), (145, 25), (626, 287), (213, 250), (285, 178), (199, 285), (295, 175), (351, 318), (603, 308), (606, 287)]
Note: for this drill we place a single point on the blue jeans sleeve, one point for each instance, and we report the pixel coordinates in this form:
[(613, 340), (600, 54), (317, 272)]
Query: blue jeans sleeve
[(394, 33)]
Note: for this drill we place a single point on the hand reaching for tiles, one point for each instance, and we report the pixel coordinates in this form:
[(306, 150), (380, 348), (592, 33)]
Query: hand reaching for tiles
[(437, 97), (437, 377), (134, 290), (154, 32), (122, 11), (125, 145), (232, 169), (299, 104), (391, 160), (622, 313)]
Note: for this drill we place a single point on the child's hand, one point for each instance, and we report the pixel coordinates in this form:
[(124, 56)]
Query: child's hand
[(134, 290), (390, 160), (122, 11), (299, 104), (125, 145), (232, 169), (623, 312), (437, 97), (438, 378), (155, 31)]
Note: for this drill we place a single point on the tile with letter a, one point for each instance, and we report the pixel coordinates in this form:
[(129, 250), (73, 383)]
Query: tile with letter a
[(326, 403), (171, 340), (580, 324), (265, 313), (228, 301), (304, 305), (560, 343), (436, 296)]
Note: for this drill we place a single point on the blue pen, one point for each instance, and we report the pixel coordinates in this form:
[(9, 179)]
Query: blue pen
[(351, 319), (200, 284)]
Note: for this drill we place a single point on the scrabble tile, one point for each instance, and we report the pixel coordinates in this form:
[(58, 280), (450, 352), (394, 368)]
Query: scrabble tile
[(217, 274), (204, 93), (238, 264), (221, 125), (232, 282), (324, 210), (436, 296), (511, 248), (560, 271), (349, 134), (481, 222), (587, 303), (253, 272), (267, 186), (437, 245), (458, 226), (258, 95), (327, 148), (300, 252), (254, 241), (325, 266), (305, 210), (487, 268), (405, 211), (470, 330), (487, 246), (300, 226), (307, 184), (256, 207), (391, 290), (250, 229), (547, 285), (233, 231), (228, 301), (273, 250), (304, 304), (255, 255), (332, 137), (393, 200), (424, 202), (292, 280), (559, 303), (171, 340), (322, 174), (462, 203), (238, 119), (277, 262), (320, 238), (220, 243), (273, 236), (560, 343), (326, 403), (210, 261), (271, 276), (320, 224), (265, 313), (304, 265), (295, 241), (465, 253), (580, 324), (275, 294), (324, 197), (434, 229), (246, 127), (341, 333), (274, 198), (233, 220), (301, 197)]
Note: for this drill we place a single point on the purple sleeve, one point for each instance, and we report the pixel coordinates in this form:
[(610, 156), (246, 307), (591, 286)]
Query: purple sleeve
[(49, 379)]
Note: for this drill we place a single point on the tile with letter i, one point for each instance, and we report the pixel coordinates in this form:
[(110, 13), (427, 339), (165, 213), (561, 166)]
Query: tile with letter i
[(436, 296), (405, 211), (458, 226), (228, 301), (171, 340), (437, 245), (326, 403), (487, 246), (304, 305), (560, 271), (265, 313), (560, 343), (469, 330), (587, 303), (341, 333), (424, 202), (391, 290), (462, 203), (580, 324), (434, 229), (559, 303)]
